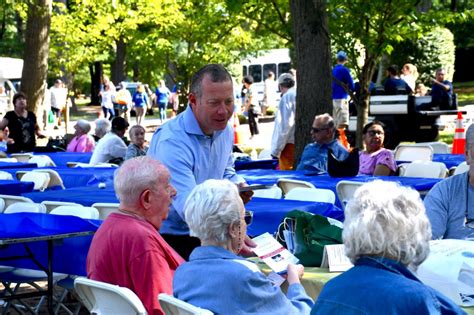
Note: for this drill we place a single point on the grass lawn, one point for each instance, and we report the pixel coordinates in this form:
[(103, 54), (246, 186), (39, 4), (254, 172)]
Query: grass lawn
[(465, 92)]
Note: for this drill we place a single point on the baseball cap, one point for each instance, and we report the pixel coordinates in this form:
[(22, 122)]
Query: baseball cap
[(341, 55), (286, 79)]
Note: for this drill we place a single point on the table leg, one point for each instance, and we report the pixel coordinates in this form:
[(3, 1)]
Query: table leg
[(50, 277)]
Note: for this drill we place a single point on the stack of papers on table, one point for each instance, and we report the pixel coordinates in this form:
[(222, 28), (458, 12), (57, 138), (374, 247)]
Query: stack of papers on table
[(450, 269), (273, 253)]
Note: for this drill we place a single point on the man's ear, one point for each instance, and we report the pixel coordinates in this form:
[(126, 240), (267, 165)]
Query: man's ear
[(145, 198), (192, 99)]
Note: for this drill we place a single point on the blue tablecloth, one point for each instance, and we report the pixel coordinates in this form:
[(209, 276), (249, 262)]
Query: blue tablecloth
[(268, 213), (15, 187), (450, 160), (61, 158), (16, 165), (270, 177), (69, 254), (256, 164), (77, 177)]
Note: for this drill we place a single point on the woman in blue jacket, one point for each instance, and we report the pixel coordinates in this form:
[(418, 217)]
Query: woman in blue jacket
[(140, 101)]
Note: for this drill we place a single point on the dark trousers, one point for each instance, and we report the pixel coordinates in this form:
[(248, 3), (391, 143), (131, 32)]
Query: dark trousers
[(253, 125), (182, 244)]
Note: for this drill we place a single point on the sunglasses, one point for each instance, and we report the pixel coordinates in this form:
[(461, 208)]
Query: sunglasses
[(248, 217), (316, 130), (375, 132)]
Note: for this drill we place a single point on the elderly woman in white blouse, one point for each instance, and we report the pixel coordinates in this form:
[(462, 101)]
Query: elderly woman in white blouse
[(215, 277)]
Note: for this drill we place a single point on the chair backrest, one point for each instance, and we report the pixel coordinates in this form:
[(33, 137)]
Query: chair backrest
[(51, 204), (345, 190), (78, 211), (174, 306), (9, 199), (311, 194), (273, 192), (2, 205), (41, 180), (25, 207), (461, 168), (438, 147), (8, 160), (107, 299), (21, 157), (105, 209), (87, 165), (288, 184), (42, 160), (413, 152), (5, 175), (426, 169), (55, 179), (265, 154)]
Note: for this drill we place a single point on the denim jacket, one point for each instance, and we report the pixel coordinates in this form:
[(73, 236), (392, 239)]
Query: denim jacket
[(378, 285)]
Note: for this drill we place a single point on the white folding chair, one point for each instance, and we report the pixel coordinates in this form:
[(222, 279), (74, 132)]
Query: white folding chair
[(22, 157), (311, 194), (107, 299), (5, 176), (105, 209), (2, 205), (426, 169), (345, 190), (87, 165), (10, 199), (288, 184), (413, 152), (265, 154), (438, 147), (51, 204), (41, 180), (55, 179), (174, 306), (273, 192), (8, 160), (25, 207), (78, 211), (41, 160), (461, 168)]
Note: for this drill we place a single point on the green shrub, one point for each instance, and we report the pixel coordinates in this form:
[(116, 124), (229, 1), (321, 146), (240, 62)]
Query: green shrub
[(242, 119), (270, 111)]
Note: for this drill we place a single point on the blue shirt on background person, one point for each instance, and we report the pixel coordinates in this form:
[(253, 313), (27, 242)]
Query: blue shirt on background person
[(315, 156), (440, 97), (394, 86), (342, 74)]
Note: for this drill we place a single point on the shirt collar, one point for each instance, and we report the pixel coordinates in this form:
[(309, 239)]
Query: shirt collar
[(206, 252), (387, 264)]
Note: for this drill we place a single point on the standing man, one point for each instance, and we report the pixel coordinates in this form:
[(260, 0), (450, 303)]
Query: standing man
[(283, 139), (342, 81), (315, 155), (127, 250), (441, 91), (58, 100), (269, 92), (197, 146)]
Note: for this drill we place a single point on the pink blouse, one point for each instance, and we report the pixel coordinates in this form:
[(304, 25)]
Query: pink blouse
[(83, 143), (368, 161)]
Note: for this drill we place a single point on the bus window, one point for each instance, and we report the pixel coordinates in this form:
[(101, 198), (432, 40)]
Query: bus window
[(267, 68), (256, 72), (244, 71), (283, 68)]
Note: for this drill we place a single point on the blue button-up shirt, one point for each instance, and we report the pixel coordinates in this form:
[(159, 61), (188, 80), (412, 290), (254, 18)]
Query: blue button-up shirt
[(315, 156), (191, 157)]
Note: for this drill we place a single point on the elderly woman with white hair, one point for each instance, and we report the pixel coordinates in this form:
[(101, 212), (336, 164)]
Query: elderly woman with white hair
[(81, 142), (216, 278), (386, 236)]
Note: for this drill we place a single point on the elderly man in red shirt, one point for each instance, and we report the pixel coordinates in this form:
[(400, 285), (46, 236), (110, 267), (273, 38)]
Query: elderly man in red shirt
[(127, 249)]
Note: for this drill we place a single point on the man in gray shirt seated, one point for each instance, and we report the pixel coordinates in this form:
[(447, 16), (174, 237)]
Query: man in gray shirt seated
[(450, 203), (315, 155)]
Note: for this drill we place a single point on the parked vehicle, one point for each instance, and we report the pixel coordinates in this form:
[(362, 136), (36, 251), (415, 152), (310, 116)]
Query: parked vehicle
[(10, 76)]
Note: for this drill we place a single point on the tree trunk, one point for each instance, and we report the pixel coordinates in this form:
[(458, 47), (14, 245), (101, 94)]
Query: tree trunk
[(363, 103), (118, 65), (35, 67), (95, 71), (313, 57)]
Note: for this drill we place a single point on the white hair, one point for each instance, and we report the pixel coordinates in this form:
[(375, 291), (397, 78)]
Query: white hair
[(211, 208), (387, 220), (136, 175), (84, 125), (103, 125), (469, 136)]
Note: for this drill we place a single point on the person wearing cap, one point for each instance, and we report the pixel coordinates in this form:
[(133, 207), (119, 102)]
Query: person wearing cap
[(342, 82), (283, 138), (450, 203), (111, 146), (81, 142), (315, 154)]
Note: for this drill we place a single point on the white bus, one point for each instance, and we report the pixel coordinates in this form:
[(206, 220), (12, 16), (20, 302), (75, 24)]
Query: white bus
[(10, 70), (276, 60)]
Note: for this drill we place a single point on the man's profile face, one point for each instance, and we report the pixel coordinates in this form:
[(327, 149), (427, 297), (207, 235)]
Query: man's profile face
[(440, 75), (161, 197), (320, 133), (215, 106)]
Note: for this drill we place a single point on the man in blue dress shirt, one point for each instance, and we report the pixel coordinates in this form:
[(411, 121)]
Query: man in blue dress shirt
[(197, 146)]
